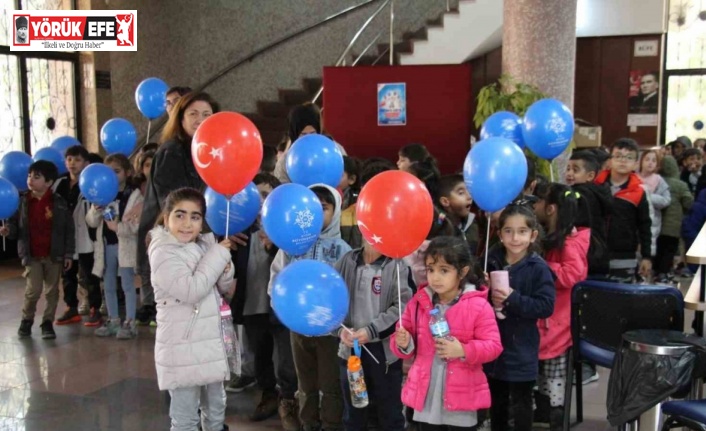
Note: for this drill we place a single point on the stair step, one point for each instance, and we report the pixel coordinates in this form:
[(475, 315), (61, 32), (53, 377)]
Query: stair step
[(267, 123), (420, 34), (312, 85), (436, 22), (272, 109), (404, 47), (295, 97)]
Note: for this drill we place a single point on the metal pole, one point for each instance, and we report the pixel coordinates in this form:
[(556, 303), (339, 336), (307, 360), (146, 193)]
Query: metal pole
[(448, 5), (392, 38)]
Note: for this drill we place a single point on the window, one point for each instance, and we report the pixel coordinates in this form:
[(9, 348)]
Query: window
[(38, 90)]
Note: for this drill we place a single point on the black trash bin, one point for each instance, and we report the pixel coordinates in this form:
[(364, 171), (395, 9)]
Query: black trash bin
[(651, 366)]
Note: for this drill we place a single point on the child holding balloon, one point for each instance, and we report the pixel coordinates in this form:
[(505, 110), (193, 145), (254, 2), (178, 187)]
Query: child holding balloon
[(189, 272), (45, 242), (374, 310), (529, 297), (446, 384), (315, 357), (116, 249), (566, 249)]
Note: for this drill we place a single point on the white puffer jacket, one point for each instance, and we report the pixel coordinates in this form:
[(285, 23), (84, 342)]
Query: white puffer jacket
[(127, 236), (189, 348)]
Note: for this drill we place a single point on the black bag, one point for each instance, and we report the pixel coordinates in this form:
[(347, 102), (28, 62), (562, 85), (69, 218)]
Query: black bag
[(639, 381)]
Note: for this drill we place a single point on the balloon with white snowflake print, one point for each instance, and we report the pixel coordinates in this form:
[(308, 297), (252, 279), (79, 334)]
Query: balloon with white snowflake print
[(292, 217)]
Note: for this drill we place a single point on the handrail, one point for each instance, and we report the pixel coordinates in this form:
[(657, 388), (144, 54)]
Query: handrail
[(352, 42), (160, 123), (372, 42)]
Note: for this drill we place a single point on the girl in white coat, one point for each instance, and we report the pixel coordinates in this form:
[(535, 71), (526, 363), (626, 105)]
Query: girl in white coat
[(190, 271), (115, 250)]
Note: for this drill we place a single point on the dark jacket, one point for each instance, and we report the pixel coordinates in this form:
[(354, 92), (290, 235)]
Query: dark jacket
[(630, 224), (682, 199), (532, 298), (241, 257), (685, 176), (62, 230), (172, 168), (598, 209), (694, 221)]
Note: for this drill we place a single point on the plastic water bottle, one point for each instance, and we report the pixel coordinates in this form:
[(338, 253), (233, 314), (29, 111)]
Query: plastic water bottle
[(230, 339), (438, 325), (359, 392)]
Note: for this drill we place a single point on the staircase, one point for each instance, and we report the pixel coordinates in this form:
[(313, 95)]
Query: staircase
[(271, 116)]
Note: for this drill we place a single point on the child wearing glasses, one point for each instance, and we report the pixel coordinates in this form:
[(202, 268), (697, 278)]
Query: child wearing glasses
[(629, 227)]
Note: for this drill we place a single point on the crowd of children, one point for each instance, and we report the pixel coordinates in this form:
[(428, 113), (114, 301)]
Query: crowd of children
[(620, 215)]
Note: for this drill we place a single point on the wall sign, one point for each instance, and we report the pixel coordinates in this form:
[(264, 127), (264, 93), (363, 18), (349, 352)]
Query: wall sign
[(646, 48), (392, 104)]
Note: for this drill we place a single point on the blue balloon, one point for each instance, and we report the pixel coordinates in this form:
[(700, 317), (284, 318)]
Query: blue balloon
[(698, 124), (310, 298), (503, 124), (14, 167), (151, 97), (63, 143), (99, 184), (315, 159), (118, 136), (548, 128), (495, 172), (9, 199), (51, 155), (244, 207), (292, 217)]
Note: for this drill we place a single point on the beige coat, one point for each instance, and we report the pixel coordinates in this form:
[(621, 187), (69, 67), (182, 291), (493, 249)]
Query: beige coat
[(187, 279), (127, 237)]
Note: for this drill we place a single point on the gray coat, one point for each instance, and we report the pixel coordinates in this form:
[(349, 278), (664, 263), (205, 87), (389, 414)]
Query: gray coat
[(62, 230), (382, 326), (189, 348)]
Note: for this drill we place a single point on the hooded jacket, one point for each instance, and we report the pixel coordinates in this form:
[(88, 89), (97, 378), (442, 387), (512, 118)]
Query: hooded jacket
[(570, 266), (682, 199), (328, 248), (629, 226), (599, 203), (658, 200), (388, 308), (472, 322), (694, 221), (127, 236), (532, 298), (187, 279)]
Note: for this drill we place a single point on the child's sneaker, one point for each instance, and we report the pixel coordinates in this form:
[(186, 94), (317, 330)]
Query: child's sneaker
[(48, 330), (70, 316), (109, 329), (128, 331), (84, 309), (94, 319), (25, 328)]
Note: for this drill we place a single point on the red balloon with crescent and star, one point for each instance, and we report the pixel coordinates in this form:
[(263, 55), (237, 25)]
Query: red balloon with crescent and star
[(395, 213), (227, 152)]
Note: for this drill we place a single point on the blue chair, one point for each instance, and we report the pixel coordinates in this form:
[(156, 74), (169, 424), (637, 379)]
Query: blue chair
[(602, 311), (690, 414)]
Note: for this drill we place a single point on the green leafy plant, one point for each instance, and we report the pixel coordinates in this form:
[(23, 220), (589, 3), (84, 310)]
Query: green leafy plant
[(511, 95)]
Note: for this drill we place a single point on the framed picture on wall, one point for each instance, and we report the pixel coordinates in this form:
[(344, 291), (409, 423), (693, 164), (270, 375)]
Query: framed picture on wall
[(643, 98), (392, 104)]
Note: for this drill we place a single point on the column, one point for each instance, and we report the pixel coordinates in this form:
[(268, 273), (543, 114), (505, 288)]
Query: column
[(539, 47)]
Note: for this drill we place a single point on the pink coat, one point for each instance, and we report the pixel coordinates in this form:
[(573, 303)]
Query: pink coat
[(472, 322), (570, 266)]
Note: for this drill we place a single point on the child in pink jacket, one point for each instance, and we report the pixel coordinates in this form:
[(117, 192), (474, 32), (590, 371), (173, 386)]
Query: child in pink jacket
[(446, 384), (566, 251)]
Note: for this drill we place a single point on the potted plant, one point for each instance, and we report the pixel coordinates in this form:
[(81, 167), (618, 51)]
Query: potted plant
[(510, 95)]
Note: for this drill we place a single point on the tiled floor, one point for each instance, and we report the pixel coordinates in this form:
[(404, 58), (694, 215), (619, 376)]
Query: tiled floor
[(79, 382)]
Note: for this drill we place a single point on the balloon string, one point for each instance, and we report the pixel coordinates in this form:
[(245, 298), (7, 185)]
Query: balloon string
[(149, 125), (3, 236), (551, 170), (362, 345), (399, 293), (487, 241), (227, 216)]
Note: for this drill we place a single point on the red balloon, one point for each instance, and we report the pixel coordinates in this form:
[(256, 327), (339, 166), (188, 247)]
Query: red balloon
[(227, 152), (395, 213)]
